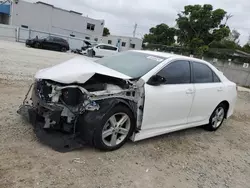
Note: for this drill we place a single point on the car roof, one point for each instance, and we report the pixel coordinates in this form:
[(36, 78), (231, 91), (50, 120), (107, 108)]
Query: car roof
[(162, 54), (170, 55), (107, 45)]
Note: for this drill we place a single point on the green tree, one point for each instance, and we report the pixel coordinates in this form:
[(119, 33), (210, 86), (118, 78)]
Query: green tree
[(160, 34), (225, 43), (105, 32), (246, 48), (199, 26)]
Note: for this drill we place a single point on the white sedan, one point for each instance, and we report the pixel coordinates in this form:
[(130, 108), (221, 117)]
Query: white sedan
[(134, 94), (102, 50)]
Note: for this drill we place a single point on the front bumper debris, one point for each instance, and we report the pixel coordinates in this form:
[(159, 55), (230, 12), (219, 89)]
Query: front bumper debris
[(58, 141)]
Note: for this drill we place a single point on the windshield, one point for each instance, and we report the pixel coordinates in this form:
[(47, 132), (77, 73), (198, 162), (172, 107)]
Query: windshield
[(130, 63)]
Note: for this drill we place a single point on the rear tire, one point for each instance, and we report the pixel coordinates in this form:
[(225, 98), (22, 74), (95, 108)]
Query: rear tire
[(217, 118)]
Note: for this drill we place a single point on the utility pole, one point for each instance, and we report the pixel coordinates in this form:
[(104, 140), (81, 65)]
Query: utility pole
[(135, 27)]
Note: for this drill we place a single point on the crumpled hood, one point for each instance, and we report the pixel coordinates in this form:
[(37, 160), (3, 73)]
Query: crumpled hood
[(77, 70)]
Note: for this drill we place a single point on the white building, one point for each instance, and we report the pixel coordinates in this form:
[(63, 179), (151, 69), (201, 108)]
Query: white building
[(42, 19), (46, 17), (123, 43)]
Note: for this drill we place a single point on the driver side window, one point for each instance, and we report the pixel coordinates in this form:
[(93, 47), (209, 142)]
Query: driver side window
[(177, 72), (49, 38), (100, 47)]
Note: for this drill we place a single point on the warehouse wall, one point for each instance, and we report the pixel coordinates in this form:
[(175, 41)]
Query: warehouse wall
[(35, 16), (127, 40), (8, 32), (55, 20), (235, 72), (67, 23)]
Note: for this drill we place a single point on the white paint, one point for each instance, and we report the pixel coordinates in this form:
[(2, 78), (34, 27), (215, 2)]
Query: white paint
[(171, 97), (170, 108), (167, 108), (104, 50), (77, 70), (207, 97), (155, 58)]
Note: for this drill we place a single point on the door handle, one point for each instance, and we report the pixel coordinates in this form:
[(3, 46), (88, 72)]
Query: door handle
[(190, 91), (220, 89)]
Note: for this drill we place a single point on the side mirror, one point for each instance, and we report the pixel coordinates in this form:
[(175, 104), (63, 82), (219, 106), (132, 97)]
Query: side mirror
[(156, 80)]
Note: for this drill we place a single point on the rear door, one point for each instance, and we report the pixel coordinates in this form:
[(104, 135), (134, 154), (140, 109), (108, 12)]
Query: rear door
[(109, 50), (209, 92), (113, 50), (49, 43), (169, 104)]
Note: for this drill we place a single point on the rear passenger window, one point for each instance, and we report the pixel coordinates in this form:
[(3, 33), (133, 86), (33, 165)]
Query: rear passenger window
[(177, 72), (202, 73), (110, 48), (216, 78)]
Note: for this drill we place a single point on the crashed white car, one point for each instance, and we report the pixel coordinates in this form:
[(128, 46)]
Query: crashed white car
[(134, 94)]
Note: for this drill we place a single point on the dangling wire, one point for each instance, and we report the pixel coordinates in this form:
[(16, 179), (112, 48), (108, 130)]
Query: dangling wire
[(26, 96)]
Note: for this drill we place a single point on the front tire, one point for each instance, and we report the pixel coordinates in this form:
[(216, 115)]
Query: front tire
[(217, 118), (37, 45), (93, 54), (114, 129), (63, 49)]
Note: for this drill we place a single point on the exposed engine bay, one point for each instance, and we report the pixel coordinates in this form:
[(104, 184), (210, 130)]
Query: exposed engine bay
[(59, 106)]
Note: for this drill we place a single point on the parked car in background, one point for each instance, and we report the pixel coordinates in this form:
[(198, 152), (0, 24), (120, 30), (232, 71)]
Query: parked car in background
[(86, 46), (50, 43), (133, 94), (102, 50)]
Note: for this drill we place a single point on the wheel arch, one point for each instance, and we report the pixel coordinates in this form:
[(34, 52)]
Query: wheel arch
[(87, 122), (227, 105)]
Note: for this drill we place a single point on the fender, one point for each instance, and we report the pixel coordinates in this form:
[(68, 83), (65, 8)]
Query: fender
[(87, 122)]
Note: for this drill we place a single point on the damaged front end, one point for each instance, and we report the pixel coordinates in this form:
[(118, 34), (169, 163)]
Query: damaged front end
[(54, 108)]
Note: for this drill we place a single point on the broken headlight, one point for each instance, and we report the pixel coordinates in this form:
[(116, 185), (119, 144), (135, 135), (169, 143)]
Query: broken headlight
[(43, 90), (72, 96)]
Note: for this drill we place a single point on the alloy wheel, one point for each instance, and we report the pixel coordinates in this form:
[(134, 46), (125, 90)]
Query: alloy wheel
[(116, 129), (218, 117)]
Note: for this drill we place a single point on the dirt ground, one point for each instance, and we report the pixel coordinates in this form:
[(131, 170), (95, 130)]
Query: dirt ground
[(190, 158)]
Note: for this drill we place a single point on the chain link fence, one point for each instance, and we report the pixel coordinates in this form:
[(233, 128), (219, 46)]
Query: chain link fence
[(19, 34)]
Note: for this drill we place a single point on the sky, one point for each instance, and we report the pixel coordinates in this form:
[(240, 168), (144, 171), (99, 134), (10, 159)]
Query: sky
[(121, 15)]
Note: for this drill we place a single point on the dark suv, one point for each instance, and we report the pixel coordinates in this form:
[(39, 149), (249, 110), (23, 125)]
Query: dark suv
[(50, 43)]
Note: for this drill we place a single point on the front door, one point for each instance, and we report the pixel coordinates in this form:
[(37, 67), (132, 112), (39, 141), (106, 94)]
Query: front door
[(99, 50), (169, 104), (48, 43)]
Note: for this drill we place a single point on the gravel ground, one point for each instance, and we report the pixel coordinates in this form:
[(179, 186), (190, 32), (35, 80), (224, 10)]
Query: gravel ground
[(190, 158)]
